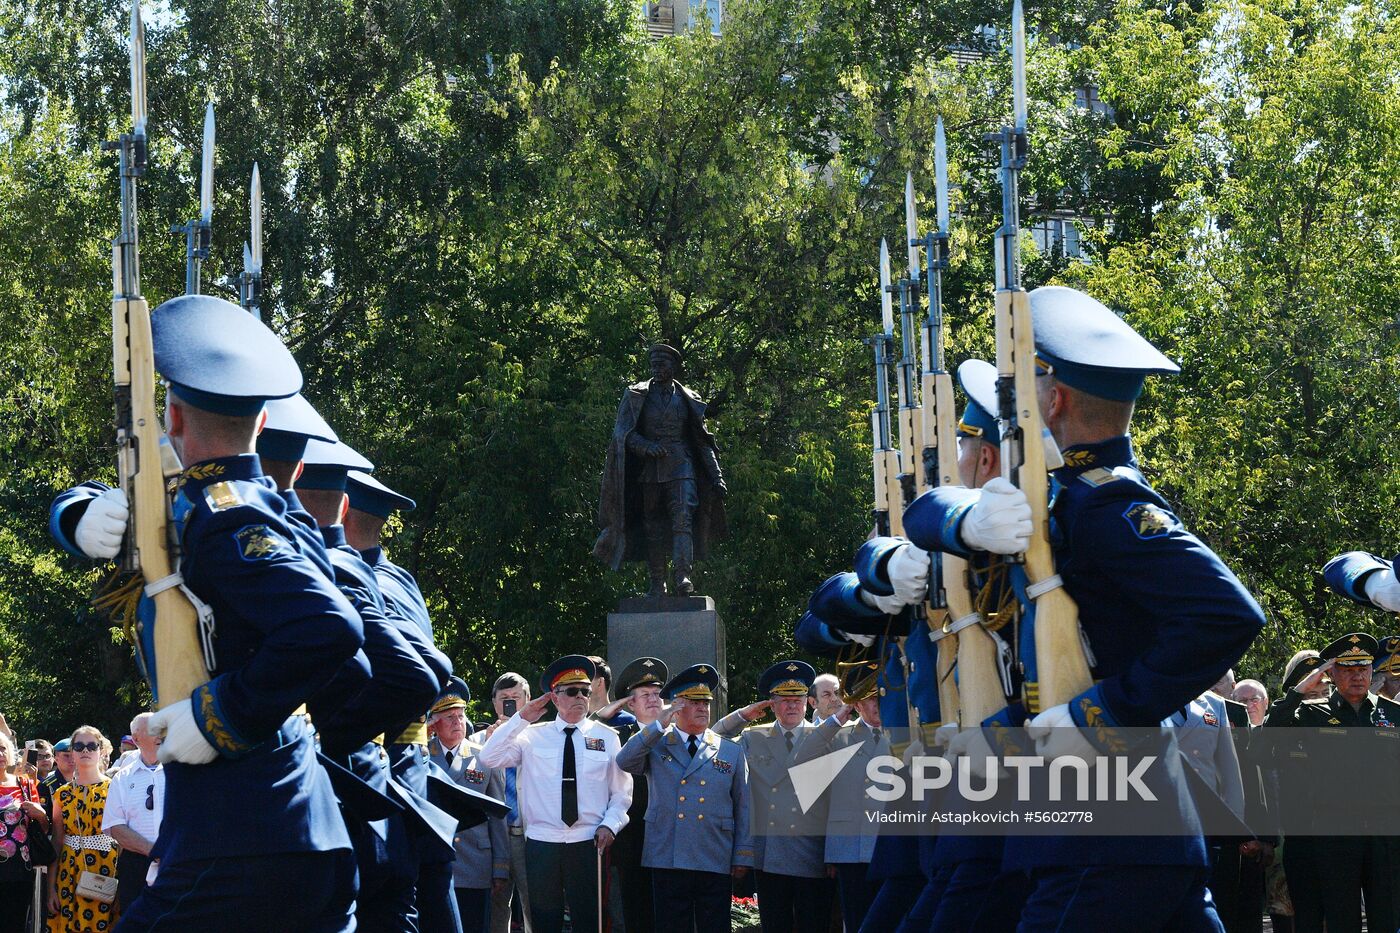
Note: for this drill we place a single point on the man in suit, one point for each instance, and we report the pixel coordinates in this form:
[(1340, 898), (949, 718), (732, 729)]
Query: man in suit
[(792, 885), (698, 811), (483, 852)]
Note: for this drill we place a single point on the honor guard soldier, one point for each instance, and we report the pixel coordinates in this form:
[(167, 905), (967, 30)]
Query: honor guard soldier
[(698, 835), (572, 794), (483, 851), (1330, 867), (371, 504), (252, 837), (352, 727), (1162, 616), (791, 883), (639, 691), (850, 839)]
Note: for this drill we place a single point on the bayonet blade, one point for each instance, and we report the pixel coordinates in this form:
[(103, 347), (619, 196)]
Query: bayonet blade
[(1018, 65), (911, 226), (206, 175), (138, 71), (886, 298), (255, 219), (940, 171)]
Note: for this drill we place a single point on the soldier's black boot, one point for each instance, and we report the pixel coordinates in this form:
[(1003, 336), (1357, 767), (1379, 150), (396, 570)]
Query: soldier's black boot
[(656, 570), (682, 558)]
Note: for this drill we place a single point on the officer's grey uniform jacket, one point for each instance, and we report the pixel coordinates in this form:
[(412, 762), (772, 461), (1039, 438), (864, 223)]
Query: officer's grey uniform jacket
[(1203, 736), (483, 852), (850, 836), (698, 808), (776, 850)]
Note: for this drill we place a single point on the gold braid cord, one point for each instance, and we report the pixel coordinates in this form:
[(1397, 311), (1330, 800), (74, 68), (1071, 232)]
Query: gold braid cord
[(117, 598)]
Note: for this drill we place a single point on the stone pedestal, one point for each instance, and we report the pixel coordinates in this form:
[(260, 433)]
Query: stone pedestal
[(680, 630)]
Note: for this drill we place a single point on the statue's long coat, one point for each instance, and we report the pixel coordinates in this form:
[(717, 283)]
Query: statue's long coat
[(623, 536)]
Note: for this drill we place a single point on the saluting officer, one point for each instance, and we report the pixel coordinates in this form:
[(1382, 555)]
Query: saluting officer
[(1330, 869), (639, 691), (252, 837), (850, 838), (791, 884), (698, 835), (1163, 617), (483, 851)]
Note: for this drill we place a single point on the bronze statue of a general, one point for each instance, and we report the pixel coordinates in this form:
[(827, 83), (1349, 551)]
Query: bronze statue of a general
[(662, 492)]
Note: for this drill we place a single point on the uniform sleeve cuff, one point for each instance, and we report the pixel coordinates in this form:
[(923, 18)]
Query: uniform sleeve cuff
[(871, 564), (213, 722), (839, 599), (1098, 725), (1346, 574), (933, 520)]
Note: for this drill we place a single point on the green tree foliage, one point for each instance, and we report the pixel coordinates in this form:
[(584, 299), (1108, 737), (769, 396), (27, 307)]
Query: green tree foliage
[(478, 215)]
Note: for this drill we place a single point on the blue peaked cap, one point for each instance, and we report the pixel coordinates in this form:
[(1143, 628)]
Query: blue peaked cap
[(326, 465), (1089, 348), (979, 380), (219, 358), (368, 494), (291, 422)]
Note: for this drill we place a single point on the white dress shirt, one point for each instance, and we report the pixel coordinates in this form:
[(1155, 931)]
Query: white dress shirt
[(537, 751), (126, 799)]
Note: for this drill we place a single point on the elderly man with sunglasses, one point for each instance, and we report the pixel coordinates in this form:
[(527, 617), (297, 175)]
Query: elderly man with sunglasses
[(572, 795), (135, 803)]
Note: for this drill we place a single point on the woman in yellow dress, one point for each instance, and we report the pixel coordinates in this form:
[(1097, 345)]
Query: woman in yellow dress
[(81, 844)]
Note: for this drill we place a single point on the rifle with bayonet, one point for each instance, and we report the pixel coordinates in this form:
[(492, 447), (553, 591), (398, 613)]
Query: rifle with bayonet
[(889, 512), (149, 558), (1062, 669), (250, 282), (199, 231)]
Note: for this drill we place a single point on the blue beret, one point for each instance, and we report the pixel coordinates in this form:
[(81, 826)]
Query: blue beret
[(326, 465), (368, 494), (1088, 347), (787, 679), (979, 380), (219, 358), (696, 682), (291, 422), (63, 745)]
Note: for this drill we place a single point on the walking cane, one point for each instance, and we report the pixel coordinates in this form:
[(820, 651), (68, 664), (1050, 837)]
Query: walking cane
[(36, 918), (600, 890)]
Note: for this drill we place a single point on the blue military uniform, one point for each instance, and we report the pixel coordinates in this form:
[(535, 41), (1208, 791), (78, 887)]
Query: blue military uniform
[(253, 839), (698, 812), (1162, 615), (408, 749), (352, 728)]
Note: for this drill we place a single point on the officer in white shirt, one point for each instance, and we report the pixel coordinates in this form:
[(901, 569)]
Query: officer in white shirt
[(573, 797), (135, 803)]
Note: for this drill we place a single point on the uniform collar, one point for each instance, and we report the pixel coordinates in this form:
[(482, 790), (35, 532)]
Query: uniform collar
[(373, 555), (333, 535), (560, 724), (221, 470), (1117, 451)]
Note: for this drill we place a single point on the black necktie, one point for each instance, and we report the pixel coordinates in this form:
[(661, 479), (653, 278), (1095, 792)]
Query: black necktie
[(875, 732), (692, 746), (569, 795), (787, 737), (449, 756)]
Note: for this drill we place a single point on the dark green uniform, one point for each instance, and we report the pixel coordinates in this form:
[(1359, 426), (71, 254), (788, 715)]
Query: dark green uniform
[(1328, 872)]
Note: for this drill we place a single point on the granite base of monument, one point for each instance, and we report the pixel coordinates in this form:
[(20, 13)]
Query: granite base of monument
[(680, 630)]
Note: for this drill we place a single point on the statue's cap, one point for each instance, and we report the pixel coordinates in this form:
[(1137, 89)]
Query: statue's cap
[(219, 358), (666, 349), (979, 380), (291, 422), (1088, 347), (368, 494), (328, 464)]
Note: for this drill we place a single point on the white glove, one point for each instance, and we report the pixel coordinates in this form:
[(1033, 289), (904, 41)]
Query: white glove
[(866, 640), (181, 739), (1000, 521), (972, 746), (943, 736), (1381, 588), (908, 568), (1056, 735), (99, 532), (890, 605)]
